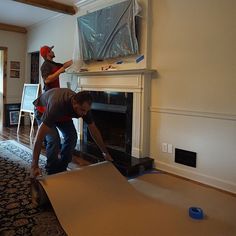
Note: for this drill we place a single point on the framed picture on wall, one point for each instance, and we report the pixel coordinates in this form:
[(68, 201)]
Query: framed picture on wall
[(14, 73), (15, 65), (15, 69)]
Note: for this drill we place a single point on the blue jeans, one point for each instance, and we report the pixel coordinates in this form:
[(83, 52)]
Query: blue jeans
[(59, 155)]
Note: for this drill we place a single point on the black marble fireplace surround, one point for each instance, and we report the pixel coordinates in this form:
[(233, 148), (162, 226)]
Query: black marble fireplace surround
[(112, 113)]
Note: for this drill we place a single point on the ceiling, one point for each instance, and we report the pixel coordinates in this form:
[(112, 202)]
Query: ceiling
[(23, 15)]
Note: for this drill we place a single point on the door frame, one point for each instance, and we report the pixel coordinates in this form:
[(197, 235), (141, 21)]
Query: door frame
[(4, 49)]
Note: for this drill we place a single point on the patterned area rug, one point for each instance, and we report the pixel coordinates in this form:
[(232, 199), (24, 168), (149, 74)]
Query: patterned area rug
[(18, 216)]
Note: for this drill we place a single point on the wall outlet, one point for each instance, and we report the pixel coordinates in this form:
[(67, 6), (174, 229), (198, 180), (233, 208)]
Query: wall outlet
[(164, 147), (170, 148)]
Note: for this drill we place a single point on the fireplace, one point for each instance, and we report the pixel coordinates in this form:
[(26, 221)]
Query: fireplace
[(121, 101)]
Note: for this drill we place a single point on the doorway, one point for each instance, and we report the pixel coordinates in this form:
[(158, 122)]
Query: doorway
[(3, 76), (34, 68)]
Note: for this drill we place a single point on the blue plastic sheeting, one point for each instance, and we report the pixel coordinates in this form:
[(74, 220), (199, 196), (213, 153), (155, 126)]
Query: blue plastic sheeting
[(109, 32)]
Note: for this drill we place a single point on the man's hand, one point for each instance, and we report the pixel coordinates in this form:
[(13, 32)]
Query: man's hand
[(67, 64), (107, 156), (35, 171)]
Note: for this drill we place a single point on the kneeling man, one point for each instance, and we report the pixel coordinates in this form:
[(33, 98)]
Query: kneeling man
[(55, 110)]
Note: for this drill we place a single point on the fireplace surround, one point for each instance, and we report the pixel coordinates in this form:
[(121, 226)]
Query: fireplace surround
[(134, 85)]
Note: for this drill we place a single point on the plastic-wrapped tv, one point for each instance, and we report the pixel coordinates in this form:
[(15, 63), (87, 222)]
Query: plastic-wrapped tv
[(109, 32)]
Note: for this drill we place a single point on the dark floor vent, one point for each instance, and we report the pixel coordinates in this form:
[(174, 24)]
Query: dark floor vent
[(185, 157)]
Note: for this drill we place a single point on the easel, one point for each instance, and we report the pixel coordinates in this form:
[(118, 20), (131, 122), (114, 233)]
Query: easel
[(29, 94), (31, 115)]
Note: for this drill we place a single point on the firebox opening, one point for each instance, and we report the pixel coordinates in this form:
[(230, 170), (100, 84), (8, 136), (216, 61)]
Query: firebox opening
[(112, 127), (112, 113)]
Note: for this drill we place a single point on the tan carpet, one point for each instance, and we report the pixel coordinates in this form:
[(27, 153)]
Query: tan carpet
[(98, 200)]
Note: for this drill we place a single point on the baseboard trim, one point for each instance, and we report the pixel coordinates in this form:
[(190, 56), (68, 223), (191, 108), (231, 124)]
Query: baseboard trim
[(220, 116), (210, 181)]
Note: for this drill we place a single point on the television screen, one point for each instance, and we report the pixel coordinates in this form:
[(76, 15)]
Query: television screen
[(109, 32)]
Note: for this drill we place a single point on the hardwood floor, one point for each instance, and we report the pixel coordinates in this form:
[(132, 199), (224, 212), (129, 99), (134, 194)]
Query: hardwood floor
[(9, 133), (23, 137)]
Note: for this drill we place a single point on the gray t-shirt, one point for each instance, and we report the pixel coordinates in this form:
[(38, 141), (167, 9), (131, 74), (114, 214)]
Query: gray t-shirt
[(49, 68), (55, 106)]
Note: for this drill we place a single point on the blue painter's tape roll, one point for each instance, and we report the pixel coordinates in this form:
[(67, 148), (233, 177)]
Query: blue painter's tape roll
[(140, 58), (196, 213)]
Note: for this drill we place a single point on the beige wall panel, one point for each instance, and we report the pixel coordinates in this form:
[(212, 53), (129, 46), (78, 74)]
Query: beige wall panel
[(16, 44), (193, 49), (212, 139)]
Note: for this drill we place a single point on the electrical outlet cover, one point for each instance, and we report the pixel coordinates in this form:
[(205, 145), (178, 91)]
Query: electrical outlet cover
[(164, 147), (170, 148)]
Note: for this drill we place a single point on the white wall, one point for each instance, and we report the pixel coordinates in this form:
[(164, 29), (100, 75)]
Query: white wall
[(58, 32), (16, 44), (193, 97)]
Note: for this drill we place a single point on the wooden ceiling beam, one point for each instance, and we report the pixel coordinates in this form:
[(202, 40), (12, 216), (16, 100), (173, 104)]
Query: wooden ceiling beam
[(51, 5), (13, 28)]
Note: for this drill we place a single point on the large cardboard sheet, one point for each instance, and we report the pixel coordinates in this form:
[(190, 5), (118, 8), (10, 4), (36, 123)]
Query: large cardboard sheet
[(98, 200)]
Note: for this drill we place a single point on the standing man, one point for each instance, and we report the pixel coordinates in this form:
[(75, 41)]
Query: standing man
[(55, 109), (51, 70)]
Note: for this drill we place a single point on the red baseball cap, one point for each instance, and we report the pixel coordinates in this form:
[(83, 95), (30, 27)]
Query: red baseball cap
[(45, 50)]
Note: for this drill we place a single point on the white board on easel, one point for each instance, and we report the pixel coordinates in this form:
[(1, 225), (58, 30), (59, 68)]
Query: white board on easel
[(29, 94)]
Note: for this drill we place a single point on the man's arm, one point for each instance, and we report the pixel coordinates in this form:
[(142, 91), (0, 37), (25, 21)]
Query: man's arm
[(55, 75), (41, 133), (67, 64), (99, 141)]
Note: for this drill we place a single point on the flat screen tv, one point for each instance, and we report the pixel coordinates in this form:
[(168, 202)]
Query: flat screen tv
[(109, 32)]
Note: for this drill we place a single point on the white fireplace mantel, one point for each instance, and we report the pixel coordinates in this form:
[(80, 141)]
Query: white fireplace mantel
[(135, 81)]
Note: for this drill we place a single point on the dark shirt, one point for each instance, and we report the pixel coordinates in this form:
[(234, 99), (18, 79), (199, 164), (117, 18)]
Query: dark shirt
[(55, 106), (49, 68)]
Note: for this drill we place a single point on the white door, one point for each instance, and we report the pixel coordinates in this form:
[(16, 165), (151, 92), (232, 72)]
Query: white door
[(1, 87), (3, 70)]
